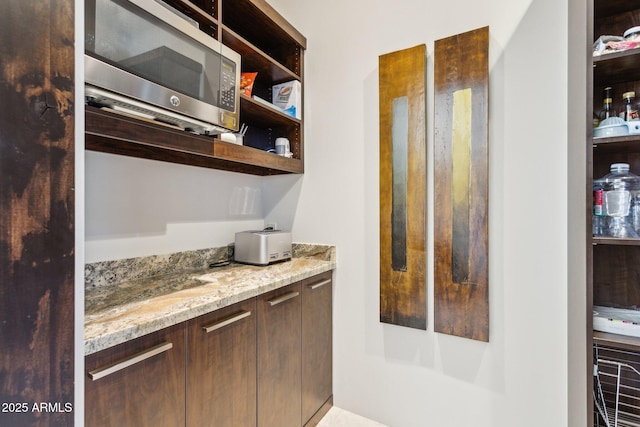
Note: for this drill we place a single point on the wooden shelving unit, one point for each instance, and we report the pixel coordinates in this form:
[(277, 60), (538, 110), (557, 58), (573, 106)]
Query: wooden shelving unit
[(613, 264), (111, 133), (270, 46)]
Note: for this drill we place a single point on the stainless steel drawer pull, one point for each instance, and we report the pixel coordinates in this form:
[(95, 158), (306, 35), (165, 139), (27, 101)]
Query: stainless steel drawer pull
[(224, 322), (118, 366), (317, 285), (283, 298)]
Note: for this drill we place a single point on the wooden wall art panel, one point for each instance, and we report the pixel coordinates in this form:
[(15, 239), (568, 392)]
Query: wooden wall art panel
[(37, 213), (403, 153), (461, 288)]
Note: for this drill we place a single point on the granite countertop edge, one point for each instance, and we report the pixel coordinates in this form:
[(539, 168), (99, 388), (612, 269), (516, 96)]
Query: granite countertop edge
[(129, 321)]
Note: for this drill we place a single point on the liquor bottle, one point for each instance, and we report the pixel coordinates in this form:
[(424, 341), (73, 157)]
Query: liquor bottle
[(629, 110), (607, 105)]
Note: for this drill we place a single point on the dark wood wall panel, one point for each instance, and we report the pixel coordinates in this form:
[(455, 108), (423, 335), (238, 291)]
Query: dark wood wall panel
[(461, 277), (403, 181), (36, 213)]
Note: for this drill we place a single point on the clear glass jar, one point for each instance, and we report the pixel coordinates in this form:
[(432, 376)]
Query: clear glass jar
[(620, 188)]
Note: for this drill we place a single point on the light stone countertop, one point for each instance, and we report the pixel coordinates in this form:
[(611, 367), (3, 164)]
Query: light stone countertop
[(119, 312)]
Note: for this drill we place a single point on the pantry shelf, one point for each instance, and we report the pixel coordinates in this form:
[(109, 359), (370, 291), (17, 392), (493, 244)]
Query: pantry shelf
[(615, 340), (117, 134), (616, 67), (615, 241), (620, 144)]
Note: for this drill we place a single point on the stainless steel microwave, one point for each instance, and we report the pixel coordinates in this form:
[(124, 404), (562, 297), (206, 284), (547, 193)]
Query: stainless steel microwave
[(143, 58)]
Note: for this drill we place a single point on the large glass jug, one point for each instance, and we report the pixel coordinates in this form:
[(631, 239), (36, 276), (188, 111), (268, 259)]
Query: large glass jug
[(620, 190)]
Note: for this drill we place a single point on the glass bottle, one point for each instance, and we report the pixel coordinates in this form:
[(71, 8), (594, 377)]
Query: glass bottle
[(629, 110), (619, 186), (607, 105), (598, 219)]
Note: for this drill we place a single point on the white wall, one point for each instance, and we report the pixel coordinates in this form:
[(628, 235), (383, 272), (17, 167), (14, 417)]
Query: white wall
[(137, 207), (409, 378), (398, 376)]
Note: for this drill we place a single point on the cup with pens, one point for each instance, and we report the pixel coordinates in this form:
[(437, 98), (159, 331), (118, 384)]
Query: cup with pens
[(240, 134), (235, 137)]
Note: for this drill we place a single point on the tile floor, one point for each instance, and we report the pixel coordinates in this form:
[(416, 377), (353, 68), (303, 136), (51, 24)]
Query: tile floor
[(337, 417)]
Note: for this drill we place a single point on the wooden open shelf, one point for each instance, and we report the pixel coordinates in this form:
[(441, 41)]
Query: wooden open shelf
[(269, 45), (608, 8), (616, 67), (615, 340), (619, 144), (113, 133), (615, 241), (254, 60), (258, 22)]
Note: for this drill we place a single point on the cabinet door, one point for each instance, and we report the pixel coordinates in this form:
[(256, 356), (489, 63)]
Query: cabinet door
[(221, 368), (317, 338), (279, 360), (139, 383)]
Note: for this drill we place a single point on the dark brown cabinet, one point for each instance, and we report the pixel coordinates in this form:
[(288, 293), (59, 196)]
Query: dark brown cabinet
[(613, 264), (138, 383), (295, 364), (279, 357), (221, 368), (265, 362), (616, 262), (317, 348), (270, 46)]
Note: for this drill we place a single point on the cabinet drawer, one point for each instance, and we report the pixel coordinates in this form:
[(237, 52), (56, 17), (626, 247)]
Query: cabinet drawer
[(138, 383)]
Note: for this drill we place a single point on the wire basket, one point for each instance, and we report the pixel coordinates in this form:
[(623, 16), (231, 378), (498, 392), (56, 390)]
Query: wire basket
[(616, 389)]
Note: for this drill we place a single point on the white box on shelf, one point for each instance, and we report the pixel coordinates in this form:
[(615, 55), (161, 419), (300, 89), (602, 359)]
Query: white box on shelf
[(288, 96), (616, 320)]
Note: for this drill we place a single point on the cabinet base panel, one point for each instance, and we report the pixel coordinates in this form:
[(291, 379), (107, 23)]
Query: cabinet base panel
[(315, 419)]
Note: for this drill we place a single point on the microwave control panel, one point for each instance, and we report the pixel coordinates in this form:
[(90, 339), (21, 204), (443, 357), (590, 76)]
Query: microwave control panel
[(228, 84)]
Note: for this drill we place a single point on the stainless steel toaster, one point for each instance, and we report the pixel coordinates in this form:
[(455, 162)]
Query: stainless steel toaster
[(262, 247)]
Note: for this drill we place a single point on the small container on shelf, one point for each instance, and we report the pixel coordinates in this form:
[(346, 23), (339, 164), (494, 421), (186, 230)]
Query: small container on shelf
[(598, 219), (613, 126), (632, 34), (629, 110), (605, 44)]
